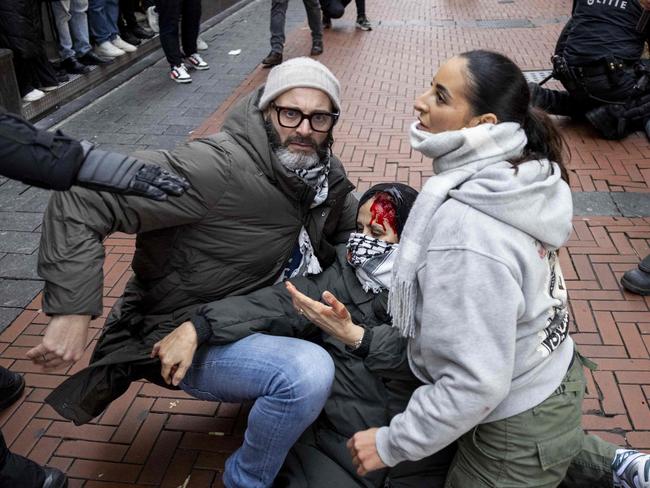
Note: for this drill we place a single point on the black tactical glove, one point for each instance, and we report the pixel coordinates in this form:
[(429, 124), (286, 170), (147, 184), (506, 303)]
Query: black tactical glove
[(117, 173)]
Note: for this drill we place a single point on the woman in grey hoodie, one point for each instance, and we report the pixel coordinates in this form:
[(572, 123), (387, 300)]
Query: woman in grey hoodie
[(478, 290)]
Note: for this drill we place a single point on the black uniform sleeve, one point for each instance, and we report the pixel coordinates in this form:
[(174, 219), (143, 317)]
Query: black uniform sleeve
[(38, 157)]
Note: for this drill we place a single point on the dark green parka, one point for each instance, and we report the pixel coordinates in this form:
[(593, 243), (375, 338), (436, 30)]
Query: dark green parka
[(231, 233), (367, 391)]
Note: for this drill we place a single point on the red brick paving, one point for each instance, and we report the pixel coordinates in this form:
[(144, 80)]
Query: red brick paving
[(155, 437)]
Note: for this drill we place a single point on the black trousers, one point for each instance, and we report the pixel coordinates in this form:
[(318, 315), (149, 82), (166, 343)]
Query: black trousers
[(17, 471), (334, 9), (170, 13), (127, 18), (587, 92)]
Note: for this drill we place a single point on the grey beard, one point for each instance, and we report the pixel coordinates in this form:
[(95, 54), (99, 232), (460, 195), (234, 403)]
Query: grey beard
[(291, 160), (296, 160)]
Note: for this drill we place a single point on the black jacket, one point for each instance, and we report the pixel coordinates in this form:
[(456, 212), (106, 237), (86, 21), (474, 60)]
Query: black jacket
[(231, 233), (20, 27), (367, 391)]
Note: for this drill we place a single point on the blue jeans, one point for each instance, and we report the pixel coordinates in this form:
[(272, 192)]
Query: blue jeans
[(102, 19), (289, 380), (72, 26)]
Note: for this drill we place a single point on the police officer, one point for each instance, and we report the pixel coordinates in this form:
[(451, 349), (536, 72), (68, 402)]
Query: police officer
[(53, 160), (598, 60)]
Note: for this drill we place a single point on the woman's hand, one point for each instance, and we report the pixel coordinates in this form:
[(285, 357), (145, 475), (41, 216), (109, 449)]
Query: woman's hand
[(645, 4), (176, 351), (363, 448), (333, 319)]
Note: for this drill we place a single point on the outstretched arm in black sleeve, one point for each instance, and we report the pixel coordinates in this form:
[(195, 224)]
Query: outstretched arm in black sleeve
[(55, 161)]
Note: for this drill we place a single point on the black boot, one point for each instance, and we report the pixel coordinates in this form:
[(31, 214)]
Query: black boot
[(129, 37), (638, 280), (608, 120), (11, 387), (74, 67), (316, 48), (272, 59)]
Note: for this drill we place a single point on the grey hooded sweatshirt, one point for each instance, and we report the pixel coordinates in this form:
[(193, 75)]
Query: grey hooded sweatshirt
[(491, 321)]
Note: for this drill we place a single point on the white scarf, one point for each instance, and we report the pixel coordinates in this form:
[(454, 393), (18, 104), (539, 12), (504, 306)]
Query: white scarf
[(457, 156)]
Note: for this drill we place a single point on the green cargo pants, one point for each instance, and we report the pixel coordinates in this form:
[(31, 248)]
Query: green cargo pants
[(543, 447)]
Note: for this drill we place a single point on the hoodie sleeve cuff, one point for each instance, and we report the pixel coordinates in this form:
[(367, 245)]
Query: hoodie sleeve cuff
[(383, 447), (203, 329)]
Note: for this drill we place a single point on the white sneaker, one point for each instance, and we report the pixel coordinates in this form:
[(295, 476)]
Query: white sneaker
[(180, 75), (196, 61), (152, 19), (108, 50), (201, 45), (49, 88), (120, 43), (631, 469), (33, 95)]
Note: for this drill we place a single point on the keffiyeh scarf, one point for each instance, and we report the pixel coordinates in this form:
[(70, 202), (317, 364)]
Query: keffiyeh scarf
[(372, 260)]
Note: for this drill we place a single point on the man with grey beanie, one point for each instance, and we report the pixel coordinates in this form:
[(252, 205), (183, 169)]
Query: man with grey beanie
[(267, 201)]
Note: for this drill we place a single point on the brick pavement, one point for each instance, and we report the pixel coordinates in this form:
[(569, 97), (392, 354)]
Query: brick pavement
[(151, 436)]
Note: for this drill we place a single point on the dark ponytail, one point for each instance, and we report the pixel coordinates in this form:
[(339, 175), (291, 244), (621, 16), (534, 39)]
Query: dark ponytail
[(544, 140), (497, 85)]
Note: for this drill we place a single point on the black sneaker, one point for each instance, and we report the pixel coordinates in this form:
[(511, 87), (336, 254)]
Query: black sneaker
[(141, 33), (130, 37), (363, 23), (12, 386), (316, 48), (327, 22), (272, 59), (91, 59), (74, 67)]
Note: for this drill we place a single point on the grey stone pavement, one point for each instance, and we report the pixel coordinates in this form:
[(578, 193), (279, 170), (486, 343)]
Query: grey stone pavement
[(149, 111)]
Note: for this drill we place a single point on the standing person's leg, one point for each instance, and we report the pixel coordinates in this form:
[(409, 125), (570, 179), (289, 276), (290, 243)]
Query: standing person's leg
[(97, 23), (190, 24), (289, 380), (62, 17), (112, 17), (362, 21), (278, 20), (79, 26), (169, 13), (315, 25)]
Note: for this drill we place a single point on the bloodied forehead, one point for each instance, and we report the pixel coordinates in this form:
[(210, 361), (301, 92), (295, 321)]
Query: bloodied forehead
[(383, 212)]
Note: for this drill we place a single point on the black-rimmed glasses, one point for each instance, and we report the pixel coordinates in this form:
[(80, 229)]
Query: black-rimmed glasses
[(292, 117)]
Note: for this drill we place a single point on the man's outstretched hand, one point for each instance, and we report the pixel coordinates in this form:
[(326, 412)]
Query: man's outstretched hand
[(63, 343)]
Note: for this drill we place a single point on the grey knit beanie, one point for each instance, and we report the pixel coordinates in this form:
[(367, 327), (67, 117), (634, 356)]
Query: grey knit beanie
[(300, 72)]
